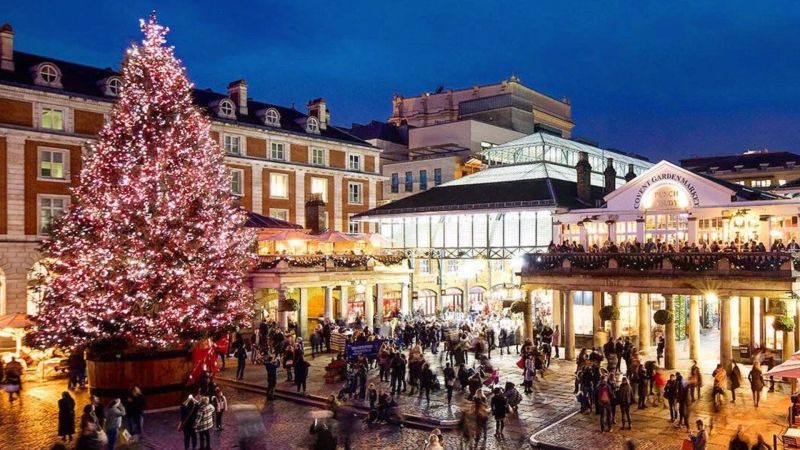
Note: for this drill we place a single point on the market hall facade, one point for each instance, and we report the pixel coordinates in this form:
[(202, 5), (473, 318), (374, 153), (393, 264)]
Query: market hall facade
[(739, 292)]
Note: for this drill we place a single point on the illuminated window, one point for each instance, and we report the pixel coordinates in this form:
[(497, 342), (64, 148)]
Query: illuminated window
[(52, 118), (761, 183), (353, 226), (237, 182), (280, 214), (278, 185), (319, 186), (50, 208), (583, 312), (53, 164), (277, 151)]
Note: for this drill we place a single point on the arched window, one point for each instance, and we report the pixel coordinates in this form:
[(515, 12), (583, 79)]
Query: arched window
[(272, 117), (47, 74), (312, 125), (226, 109), (114, 86), (37, 280)]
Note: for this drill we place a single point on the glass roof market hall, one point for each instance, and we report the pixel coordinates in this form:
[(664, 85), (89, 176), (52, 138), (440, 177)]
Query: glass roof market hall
[(734, 296), (465, 238)]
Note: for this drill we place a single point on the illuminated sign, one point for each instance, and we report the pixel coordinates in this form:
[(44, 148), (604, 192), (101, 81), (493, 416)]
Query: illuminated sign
[(673, 191)]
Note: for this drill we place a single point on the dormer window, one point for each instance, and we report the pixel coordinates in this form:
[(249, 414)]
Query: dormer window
[(312, 125), (272, 117), (114, 86), (226, 109), (47, 74)]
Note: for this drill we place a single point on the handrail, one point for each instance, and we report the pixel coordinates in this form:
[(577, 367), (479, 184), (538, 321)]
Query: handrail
[(676, 261), (269, 262)]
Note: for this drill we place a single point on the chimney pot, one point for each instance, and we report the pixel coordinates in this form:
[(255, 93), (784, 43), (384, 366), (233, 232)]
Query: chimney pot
[(584, 178), (6, 47), (318, 108), (631, 174), (237, 91), (316, 213), (610, 177)]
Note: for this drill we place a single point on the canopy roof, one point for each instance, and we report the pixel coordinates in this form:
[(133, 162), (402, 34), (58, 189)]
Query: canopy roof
[(255, 220)]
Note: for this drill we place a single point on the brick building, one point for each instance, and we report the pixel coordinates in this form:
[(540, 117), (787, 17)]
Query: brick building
[(52, 110)]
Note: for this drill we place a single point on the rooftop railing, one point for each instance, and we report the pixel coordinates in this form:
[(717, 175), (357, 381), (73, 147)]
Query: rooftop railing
[(767, 263)]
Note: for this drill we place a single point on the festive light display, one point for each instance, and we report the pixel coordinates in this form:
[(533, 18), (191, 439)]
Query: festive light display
[(152, 251)]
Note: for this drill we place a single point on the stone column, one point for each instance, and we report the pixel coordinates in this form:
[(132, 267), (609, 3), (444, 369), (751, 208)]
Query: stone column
[(404, 300), (302, 319), (644, 322), (528, 316), (640, 230), (691, 232), (694, 327), (369, 308), (343, 304), (328, 303), (669, 336), (379, 303), (725, 349), (616, 325), (569, 326)]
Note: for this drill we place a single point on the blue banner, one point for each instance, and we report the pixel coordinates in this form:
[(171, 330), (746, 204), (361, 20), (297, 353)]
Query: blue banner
[(368, 349)]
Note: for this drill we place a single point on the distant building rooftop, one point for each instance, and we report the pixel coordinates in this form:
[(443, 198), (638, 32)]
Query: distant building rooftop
[(759, 159)]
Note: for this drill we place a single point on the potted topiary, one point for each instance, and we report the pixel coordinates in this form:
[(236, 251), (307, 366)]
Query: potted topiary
[(663, 317)]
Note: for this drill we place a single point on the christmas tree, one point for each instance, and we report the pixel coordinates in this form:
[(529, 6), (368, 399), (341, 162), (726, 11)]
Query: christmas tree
[(152, 251)]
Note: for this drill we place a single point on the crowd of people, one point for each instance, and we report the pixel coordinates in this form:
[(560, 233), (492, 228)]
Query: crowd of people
[(659, 246), (604, 387), (101, 426)]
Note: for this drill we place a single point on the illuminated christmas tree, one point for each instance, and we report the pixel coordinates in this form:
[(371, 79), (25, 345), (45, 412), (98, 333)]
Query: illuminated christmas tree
[(152, 251)]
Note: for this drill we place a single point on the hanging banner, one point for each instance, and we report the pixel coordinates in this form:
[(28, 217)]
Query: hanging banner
[(368, 349)]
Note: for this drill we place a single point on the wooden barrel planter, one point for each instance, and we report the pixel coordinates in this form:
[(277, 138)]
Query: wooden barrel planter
[(161, 376)]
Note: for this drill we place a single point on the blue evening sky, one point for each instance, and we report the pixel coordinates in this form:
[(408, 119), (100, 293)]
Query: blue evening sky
[(667, 79)]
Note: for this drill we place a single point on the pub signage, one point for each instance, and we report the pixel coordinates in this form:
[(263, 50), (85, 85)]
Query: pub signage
[(668, 196)]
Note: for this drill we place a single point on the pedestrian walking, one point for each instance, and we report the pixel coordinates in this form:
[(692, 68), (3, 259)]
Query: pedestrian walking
[(735, 380), (241, 358), (204, 422), (481, 415), (604, 398), (114, 413), (271, 365), (660, 349), (700, 438), (426, 382), (682, 395), (720, 377), (66, 417), (220, 403), (671, 394), (756, 379), (134, 409), (449, 381), (188, 411), (499, 410), (695, 381), (625, 399), (556, 341)]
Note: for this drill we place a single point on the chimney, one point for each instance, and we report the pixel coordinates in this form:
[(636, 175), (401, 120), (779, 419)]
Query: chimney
[(237, 91), (319, 109), (631, 174), (584, 172), (316, 213), (610, 177), (6, 47)]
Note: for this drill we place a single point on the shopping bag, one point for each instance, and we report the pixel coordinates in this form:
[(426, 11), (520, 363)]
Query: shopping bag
[(521, 363)]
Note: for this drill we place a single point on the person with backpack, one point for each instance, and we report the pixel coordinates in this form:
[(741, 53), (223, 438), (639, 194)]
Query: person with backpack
[(604, 398), (625, 399)]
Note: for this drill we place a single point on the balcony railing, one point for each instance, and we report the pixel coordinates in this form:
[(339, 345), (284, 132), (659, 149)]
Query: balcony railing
[(767, 263), (328, 263)]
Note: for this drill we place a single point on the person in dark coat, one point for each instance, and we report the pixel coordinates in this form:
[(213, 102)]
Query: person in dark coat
[(66, 417), (624, 399), (426, 382), (325, 439), (735, 380), (756, 378), (499, 410), (301, 372), (188, 411)]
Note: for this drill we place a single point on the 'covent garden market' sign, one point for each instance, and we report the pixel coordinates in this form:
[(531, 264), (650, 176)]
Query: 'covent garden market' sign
[(666, 191)]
